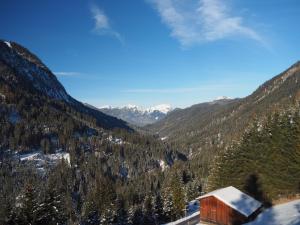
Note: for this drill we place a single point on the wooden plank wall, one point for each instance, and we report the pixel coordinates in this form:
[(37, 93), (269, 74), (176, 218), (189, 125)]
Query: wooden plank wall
[(215, 211)]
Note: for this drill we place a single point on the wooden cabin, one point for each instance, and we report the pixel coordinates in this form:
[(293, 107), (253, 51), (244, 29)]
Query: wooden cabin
[(228, 206)]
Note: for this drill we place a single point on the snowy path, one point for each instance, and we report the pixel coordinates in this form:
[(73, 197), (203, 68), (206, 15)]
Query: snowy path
[(189, 220), (283, 214)]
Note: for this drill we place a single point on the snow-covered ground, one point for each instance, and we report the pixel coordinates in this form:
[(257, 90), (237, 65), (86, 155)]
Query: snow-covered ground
[(115, 140), (283, 214), (163, 165), (184, 219), (164, 138), (49, 157), (8, 44), (193, 207), (41, 160)]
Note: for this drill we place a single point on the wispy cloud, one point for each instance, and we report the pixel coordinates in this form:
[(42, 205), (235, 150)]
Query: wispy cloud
[(102, 25), (67, 74), (198, 21), (185, 89)]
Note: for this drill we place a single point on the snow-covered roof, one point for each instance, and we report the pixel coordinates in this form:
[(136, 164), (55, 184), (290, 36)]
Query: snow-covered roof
[(236, 199)]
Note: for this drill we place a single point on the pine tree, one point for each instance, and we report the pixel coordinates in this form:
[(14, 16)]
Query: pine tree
[(138, 217), (130, 218), (193, 189), (168, 204), (158, 209), (254, 189), (26, 207), (108, 216), (121, 213), (90, 213), (148, 210), (178, 197), (50, 211)]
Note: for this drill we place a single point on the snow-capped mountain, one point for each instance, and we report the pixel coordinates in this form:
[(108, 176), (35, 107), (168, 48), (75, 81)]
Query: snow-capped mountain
[(138, 115), (222, 98), (164, 108)]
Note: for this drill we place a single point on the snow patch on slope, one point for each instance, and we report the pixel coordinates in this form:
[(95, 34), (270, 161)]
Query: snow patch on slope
[(163, 165), (115, 140), (164, 138), (40, 160), (8, 44)]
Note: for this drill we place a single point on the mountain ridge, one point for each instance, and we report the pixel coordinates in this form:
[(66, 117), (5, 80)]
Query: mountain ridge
[(136, 115), (32, 70), (204, 129), (23, 70), (112, 170)]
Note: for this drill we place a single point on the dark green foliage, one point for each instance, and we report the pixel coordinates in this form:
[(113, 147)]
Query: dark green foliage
[(136, 216), (269, 151), (253, 188), (27, 206), (148, 211), (50, 210), (158, 212)]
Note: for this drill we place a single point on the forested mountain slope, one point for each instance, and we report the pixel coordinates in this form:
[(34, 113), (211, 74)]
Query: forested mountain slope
[(116, 175), (38, 114), (26, 80), (268, 154), (112, 171), (203, 130)]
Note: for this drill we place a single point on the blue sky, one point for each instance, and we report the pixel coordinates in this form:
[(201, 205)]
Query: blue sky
[(148, 52)]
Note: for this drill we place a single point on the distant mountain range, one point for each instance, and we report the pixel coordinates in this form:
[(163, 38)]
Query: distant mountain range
[(137, 115)]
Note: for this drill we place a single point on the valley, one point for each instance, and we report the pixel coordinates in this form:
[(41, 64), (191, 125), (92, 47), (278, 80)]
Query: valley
[(96, 168)]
